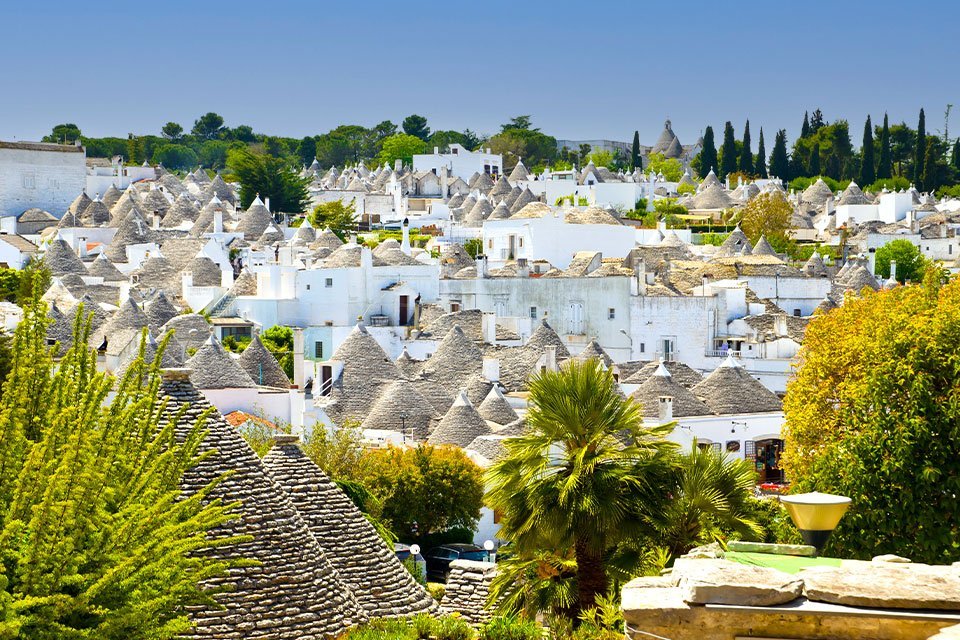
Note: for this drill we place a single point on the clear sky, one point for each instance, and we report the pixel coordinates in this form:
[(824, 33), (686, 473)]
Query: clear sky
[(582, 69)]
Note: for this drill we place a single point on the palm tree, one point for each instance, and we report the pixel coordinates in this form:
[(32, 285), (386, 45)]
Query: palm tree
[(587, 475), (710, 501)]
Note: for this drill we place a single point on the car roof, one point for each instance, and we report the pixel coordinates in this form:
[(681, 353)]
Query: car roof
[(462, 546)]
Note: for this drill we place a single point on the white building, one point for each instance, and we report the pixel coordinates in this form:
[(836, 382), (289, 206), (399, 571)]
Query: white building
[(101, 174), (42, 175), (460, 162)]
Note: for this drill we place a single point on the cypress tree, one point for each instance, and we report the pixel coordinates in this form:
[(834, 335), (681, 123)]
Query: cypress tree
[(817, 121), (885, 166), (761, 168), (931, 169), (746, 156), (813, 168), (867, 173), (955, 155), (805, 129), (728, 151), (778, 159), (635, 152), (708, 155), (919, 151)]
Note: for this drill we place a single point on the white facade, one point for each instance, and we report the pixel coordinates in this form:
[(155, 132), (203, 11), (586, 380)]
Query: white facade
[(119, 175), (460, 162), (42, 175), (550, 238), (891, 207)]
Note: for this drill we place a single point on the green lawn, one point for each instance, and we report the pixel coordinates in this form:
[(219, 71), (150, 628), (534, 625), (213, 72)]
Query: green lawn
[(788, 564)]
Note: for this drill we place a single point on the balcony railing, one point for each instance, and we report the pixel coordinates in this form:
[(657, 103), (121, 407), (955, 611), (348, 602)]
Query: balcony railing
[(722, 353), (669, 356)]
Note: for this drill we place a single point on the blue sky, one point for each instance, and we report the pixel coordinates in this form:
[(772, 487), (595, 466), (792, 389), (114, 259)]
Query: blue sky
[(582, 69)]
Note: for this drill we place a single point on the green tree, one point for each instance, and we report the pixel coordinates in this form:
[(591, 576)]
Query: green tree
[(805, 127), (779, 162), (270, 177), (919, 152), (708, 154), (208, 126), (867, 173), (415, 125), (813, 169), (213, 154), (728, 152), (870, 414), (63, 134), (817, 121), (401, 146), (98, 539), (336, 216), (530, 145), (473, 247), (636, 163), (172, 131), (769, 215), (910, 262), (746, 156), (885, 165), (671, 168), (307, 150), (425, 489), (136, 153), (955, 156), (570, 482), (279, 341), (761, 168), (241, 133), (934, 168), (175, 156), (523, 123)]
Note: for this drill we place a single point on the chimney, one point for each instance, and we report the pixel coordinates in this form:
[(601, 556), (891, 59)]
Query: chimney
[(665, 409), (523, 268), (893, 269), (398, 164), (481, 266), (218, 221), (488, 327), (551, 358), (82, 247), (405, 242), (156, 220), (353, 238), (780, 325), (444, 182), (491, 369), (436, 151), (298, 357), (266, 203), (872, 260)]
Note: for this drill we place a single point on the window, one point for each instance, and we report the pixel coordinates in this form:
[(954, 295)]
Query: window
[(643, 347), (575, 318), (308, 287), (533, 313), (490, 243), (454, 306), (328, 283), (797, 312), (611, 313), (520, 240), (29, 182), (318, 350)]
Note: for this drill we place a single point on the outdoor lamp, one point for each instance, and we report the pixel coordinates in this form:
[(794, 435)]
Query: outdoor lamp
[(414, 550), (489, 546), (816, 515)]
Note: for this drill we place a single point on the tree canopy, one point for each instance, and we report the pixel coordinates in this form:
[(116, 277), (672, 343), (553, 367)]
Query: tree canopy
[(910, 262), (270, 177), (401, 146), (415, 125), (335, 215), (873, 413), (769, 215), (208, 126)]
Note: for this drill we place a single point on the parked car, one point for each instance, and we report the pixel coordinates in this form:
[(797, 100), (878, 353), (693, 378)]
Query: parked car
[(403, 552), (439, 558)]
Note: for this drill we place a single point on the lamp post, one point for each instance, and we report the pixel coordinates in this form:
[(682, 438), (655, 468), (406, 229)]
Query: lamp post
[(816, 515), (491, 550)]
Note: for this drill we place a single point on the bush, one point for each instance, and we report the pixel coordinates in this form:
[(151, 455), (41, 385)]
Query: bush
[(453, 628), (773, 518), (890, 184), (686, 188), (437, 590), (510, 628)]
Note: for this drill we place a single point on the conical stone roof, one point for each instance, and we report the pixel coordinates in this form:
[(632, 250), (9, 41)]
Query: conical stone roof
[(111, 196), (730, 389), (400, 407), (764, 248), (131, 231), (519, 173), (594, 350), (461, 424), (101, 267), (363, 562), (288, 590), (160, 310), (407, 365), (190, 329), (367, 370), (262, 366), (183, 210), (456, 359), (60, 258), (495, 408), (96, 214), (660, 384), (255, 220), (211, 367)]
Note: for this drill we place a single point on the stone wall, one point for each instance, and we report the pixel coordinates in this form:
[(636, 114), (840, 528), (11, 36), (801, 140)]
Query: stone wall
[(468, 587), (48, 180)]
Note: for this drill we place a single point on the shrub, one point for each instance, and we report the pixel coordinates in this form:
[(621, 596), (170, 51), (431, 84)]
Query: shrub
[(437, 590), (453, 628), (774, 520), (510, 628)]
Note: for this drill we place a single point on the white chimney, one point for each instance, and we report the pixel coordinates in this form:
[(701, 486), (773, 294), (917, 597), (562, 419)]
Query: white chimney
[(218, 221), (872, 260), (266, 203), (482, 266), (665, 409), (523, 268), (893, 269), (780, 325), (298, 357), (156, 220), (491, 369), (405, 242), (488, 327)]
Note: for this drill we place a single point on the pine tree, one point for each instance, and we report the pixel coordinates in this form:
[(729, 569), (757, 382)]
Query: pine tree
[(635, 160), (867, 173), (817, 121), (931, 169), (728, 151), (805, 129), (761, 168), (955, 155), (778, 159), (98, 541), (813, 168), (885, 166), (746, 156), (919, 151), (708, 154)]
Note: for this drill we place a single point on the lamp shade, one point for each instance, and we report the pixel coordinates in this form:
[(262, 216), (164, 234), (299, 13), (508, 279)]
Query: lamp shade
[(816, 514)]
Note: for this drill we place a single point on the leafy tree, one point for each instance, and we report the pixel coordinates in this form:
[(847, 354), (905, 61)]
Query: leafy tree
[(813, 169), (935, 169), (175, 156), (768, 214), (779, 166), (671, 168), (339, 452), (805, 128), (636, 163), (601, 158), (867, 173), (401, 146), (278, 340), (415, 125), (885, 166), (336, 216), (524, 123), (136, 153), (443, 139), (761, 168), (424, 489), (746, 156), (172, 131), (902, 141), (571, 483), (871, 414), (473, 247), (213, 154), (470, 139), (98, 540), (817, 121), (270, 177), (63, 134), (919, 151), (241, 133), (708, 154), (910, 262), (728, 152), (530, 145), (208, 126), (307, 150)]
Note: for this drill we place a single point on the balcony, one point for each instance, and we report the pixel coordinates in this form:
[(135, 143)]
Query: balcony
[(668, 356), (722, 353)]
